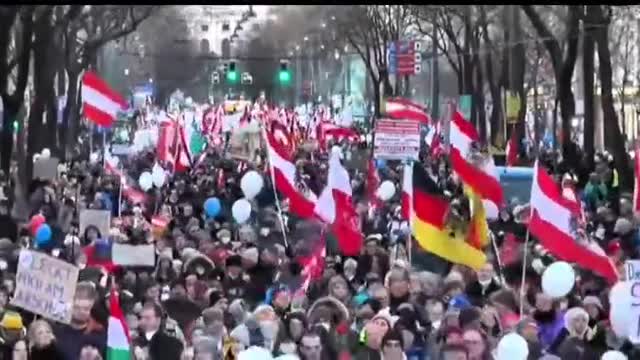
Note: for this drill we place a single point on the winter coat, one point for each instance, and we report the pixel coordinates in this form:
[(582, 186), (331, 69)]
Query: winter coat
[(548, 332)]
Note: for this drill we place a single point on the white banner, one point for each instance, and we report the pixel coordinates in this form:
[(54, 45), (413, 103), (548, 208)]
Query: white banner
[(396, 139)]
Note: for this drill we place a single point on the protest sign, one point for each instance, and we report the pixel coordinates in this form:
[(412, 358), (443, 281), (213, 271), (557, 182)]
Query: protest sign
[(133, 255), (98, 218), (396, 139), (46, 169), (45, 286), (632, 273)]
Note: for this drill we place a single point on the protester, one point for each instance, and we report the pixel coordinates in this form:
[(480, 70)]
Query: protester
[(273, 266)]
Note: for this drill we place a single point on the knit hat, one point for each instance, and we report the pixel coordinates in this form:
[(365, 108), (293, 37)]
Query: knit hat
[(386, 316), (11, 321)]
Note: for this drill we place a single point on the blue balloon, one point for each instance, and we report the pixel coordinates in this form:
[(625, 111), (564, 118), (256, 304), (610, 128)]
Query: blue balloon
[(381, 163), (212, 207), (43, 235)]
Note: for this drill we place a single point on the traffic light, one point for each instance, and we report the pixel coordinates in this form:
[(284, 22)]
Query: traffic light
[(215, 77), (16, 126), (232, 73), (284, 75)]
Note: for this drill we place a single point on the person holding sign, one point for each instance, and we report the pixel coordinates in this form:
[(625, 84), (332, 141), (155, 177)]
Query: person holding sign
[(72, 338)]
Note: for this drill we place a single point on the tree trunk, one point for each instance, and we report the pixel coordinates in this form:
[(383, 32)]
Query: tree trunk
[(43, 85), (517, 69), (613, 137), (588, 49), (69, 115)]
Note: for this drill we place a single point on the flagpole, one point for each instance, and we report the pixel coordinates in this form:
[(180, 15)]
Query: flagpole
[(498, 259), (275, 192), (120, 197), (524, 273)]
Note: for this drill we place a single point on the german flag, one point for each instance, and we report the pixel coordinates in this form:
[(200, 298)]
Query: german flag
[(429, 209)]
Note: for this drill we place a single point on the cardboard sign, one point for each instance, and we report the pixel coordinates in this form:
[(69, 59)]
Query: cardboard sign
[(45, 286), (46, 169), (133, 255), (98, 218)]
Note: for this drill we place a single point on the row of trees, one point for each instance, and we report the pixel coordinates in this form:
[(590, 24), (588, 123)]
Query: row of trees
[(46, 48), (509, 47)]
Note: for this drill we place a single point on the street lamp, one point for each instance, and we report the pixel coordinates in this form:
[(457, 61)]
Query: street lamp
[(336, 54), (297, 47), (150, 80), (306, 38), (333, 17), (324, 25), (126, 72), (322, 47)]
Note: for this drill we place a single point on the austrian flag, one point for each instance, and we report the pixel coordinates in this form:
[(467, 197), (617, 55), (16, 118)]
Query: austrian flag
[(100, 103), (553, 222)]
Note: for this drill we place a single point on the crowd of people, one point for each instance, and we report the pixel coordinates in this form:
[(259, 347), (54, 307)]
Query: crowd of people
[(220, 290)]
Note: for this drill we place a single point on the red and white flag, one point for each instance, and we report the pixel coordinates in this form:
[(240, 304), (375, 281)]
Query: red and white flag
[(407, 192), (373, 182), (284, 177), (100, 103), (313, 264), (129, 192), (401, 108), (482, 179), (555, 222), (335, 207)]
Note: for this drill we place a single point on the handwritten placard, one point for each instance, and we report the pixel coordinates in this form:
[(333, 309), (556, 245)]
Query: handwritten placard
[(45, 286), (632, 270)]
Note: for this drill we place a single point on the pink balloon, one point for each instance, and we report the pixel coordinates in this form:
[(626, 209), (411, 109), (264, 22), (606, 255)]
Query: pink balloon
[(35, 223)]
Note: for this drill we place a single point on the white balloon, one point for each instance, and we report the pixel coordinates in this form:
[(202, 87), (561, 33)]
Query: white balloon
[(93, 158), (558, 279), (251, 184), (620, 301), (512, 347), (145, 181), (158, 176), (241, 211), (386, 190), (46, 153), (614, 355)]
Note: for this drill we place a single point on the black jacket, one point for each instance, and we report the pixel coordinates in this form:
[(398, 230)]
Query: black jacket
[(477, 295), (164, 347)]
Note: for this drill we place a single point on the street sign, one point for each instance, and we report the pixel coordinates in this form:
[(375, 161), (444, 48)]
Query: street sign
[(405, 57), (392, 58)]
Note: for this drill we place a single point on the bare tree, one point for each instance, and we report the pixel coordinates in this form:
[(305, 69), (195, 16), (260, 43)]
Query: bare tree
[(369, 29), (563, 62), (16, 22), (90, 30)]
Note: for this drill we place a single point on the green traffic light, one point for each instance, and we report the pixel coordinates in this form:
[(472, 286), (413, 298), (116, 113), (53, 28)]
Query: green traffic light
[(232, 76), (16, 126), (284, 76)]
